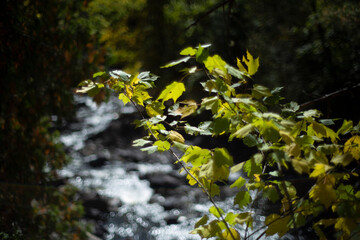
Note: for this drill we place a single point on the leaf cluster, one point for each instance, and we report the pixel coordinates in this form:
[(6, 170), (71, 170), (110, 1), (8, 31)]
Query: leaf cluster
[(290, 144)]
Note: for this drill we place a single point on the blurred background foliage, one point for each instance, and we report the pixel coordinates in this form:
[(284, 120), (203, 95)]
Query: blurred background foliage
[(310, 47)]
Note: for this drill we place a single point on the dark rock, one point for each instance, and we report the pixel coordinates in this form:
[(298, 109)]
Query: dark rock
[(98, 162), (172, 219), (160, 180), (175, 202)]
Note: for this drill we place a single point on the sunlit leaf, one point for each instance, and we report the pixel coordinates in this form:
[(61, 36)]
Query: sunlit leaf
[(162, 145), (174, 63), (238, 183), (98, 74), (176, 137), (188, 51), (196, 156), (212, 171), (155, 108), (140, 142), (118, 74), (345, 127), (140, 94), (172, 91), (215, 211), (215, 62), (242, 132), (234, 235)]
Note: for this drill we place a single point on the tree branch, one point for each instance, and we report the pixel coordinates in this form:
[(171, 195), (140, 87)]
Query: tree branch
[(329, 96), (208, 12)]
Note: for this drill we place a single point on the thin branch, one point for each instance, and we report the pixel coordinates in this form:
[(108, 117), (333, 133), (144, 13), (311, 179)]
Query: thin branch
[(329, 96), (208, 12)]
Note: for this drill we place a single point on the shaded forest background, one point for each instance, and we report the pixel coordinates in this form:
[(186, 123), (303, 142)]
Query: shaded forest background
[(311, 48)]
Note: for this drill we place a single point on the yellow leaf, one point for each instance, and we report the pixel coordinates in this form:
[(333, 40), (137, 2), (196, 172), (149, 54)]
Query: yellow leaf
[(176, 137), (286, 137), (301, 166), (353, 146), (129, 91), (323, 193), (189, 108), (277, 224), (320, 170), (233, 236), (345, 225)]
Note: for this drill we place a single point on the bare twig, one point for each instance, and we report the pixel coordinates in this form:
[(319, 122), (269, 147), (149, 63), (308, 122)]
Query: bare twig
[(208, 12), (329, 96)]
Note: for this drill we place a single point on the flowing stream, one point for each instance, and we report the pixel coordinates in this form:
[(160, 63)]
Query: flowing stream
[(149, 197)]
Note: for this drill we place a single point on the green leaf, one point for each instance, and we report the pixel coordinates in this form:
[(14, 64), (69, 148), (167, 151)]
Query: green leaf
[(118, 74), (172, 91), (220, 125), (171, 64), (343, 159), (245, 217), (150, 149), (238, 183), (201, 54), (277, 224), (154, 109), (140, 142), (237, 167), (242, 199), (188, 51), (250, 140), (140, 94), (234, 72), (195, 131), (180, 146), (88, 87), (196, 156), (211, 103), (212, 171), (214, 211), (222, 157), (207, 231), (260, 91), (202, 221), (162, 145), (215, 62), (98, 74), (345, 127), (242, 132), (252, 167), (271, 193)]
